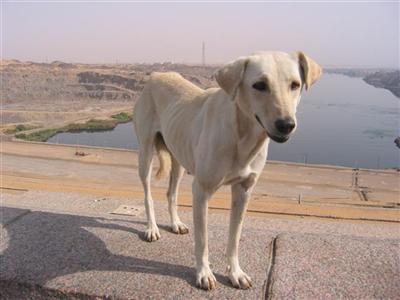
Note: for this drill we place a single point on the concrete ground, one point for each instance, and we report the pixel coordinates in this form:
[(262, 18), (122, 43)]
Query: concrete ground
[(73, 228)]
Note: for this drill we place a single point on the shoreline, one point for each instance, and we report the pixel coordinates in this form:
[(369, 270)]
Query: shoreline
[(272, 162)]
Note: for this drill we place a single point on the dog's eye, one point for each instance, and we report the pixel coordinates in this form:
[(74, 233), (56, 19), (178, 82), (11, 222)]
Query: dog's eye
[(260, 86), (294, 85)]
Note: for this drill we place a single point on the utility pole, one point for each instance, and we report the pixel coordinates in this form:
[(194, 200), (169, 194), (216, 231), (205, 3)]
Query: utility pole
[(203, 54)]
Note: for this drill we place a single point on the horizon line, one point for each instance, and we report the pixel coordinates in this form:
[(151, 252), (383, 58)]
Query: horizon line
[(199, 64)]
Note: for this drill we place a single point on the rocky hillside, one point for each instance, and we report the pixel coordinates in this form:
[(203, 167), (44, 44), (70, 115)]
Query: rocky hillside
[(386, 80), (58, 81), (41, 95)]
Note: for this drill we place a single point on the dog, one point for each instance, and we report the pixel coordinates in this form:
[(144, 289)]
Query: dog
[(221, 137)]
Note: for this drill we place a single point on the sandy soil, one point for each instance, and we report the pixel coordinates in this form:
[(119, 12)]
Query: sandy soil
[(284, 189)]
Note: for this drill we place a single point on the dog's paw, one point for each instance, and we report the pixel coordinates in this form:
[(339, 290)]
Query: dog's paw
[(152, 234), (205, 279), (240, 280), (179, 228)]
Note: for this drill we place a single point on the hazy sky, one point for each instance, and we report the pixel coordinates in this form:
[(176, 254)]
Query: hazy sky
[(343, 34)]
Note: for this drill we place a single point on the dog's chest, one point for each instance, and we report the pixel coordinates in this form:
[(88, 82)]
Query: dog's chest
[(245, 174), (248, 171)]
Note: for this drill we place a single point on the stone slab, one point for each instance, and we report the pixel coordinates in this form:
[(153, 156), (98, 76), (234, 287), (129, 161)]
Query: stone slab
[(87, 253), (107, 257), (310, 266)]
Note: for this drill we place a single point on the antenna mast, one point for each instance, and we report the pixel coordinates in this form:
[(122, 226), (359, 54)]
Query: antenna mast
[(203, 54)]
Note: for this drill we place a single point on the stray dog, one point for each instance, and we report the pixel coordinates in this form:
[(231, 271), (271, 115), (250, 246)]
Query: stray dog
[(221, 137)]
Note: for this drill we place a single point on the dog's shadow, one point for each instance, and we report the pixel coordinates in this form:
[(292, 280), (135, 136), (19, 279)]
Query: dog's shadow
[(47, 245)]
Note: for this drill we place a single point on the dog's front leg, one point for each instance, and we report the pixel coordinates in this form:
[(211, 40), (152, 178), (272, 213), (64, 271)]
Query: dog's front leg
[(240, 196), (205, 279)]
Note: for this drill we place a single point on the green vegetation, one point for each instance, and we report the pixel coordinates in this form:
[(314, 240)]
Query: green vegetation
[(19, 128), (90, 126), (38, 136), (122, 117)]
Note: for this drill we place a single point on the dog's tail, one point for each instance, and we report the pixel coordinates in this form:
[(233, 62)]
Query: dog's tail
[(164, 157)]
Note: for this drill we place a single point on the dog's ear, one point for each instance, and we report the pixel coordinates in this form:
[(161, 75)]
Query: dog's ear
[(310, 70), (230, 76)]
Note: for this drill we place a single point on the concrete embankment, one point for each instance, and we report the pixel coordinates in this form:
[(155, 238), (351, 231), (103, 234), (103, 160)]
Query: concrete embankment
[(283, 188)]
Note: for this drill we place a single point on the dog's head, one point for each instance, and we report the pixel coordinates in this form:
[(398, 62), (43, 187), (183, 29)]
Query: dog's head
[(267, 88)]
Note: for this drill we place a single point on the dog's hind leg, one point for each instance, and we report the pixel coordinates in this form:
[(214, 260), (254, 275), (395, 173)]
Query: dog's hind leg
[(176, 175), (145, 161)]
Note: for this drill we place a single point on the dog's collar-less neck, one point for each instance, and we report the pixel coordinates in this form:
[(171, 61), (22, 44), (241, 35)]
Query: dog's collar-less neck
[(241, 115), (250, 137)]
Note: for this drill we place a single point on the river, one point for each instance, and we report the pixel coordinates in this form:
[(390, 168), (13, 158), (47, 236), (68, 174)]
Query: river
[(341, 121)]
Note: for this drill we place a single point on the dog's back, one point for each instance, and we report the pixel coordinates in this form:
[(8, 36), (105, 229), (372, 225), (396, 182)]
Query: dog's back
[(169, 87), (161, 90)]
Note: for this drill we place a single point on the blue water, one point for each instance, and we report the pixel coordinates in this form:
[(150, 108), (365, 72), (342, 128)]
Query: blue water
[(341, 121)]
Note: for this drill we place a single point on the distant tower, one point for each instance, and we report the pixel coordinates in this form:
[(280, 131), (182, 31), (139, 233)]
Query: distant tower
[(203, 54)]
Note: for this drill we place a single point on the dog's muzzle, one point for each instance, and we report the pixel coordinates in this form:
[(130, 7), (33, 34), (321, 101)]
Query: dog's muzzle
[(276, 138)]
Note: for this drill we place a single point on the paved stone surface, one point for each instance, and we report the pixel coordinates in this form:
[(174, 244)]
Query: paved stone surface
[(335, 267), (106, 256)]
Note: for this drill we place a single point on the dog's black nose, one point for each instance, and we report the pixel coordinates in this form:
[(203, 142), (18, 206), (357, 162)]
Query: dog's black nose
[(285, 126)]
